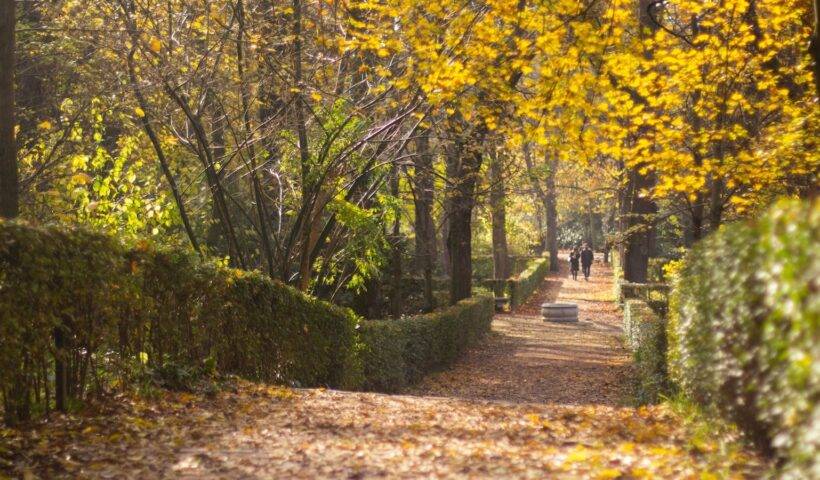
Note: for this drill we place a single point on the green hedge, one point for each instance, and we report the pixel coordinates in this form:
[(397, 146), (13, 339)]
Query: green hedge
[(744, 331), (398, 352), (645, 333), (521, 287), (483, 268), (122, 310)]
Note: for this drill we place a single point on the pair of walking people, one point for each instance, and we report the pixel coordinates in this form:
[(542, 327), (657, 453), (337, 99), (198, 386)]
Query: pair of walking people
[(581, 256)]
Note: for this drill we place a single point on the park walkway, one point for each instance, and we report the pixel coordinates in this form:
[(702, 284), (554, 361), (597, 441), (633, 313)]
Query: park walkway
[(527, 360), (534, 400)]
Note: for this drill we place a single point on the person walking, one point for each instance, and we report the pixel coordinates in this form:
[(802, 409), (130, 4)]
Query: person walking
[(586, 260), (574, 260)]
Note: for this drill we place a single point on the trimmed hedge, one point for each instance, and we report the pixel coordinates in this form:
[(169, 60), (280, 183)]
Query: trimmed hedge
[(106, 314), (399, 352), (744, 331), (646, 336), (108, 311), (655, 294), (521, 287), (483, 265)]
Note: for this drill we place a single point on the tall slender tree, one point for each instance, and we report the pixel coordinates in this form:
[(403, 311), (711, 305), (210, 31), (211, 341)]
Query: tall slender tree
[(9, 187)]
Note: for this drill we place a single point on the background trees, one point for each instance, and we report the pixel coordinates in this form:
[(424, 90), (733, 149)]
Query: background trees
[(314, 140)]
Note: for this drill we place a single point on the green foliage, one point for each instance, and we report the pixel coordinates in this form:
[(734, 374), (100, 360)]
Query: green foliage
[(483, 265), (656, 269), (119, 308), (107, 178), (398, 352), (744, 329), (521, 287), (367, 246), (646, 336)]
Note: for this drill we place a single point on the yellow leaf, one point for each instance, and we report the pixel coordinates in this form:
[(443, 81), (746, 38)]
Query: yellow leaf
[(81, 178), (154, 44), (140, 112), (608, 473), (316, 96), (44, 125)]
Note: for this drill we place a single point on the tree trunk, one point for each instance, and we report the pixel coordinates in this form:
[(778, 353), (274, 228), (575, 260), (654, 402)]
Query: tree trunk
[(256, 186), (501, 257), (465, 165), (590, 224), (639, 240), (716, 204), (9, 186), (639, 229), (425, 228), (396, 300), (548, 200), (161, 158), (815, 48), (551, 206), (304, 151), (697, 212)]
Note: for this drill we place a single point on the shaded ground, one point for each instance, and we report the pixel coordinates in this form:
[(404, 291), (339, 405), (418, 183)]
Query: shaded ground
[(535, 400)]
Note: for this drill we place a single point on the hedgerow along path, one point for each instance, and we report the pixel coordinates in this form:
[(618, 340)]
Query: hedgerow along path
[(533, 400)]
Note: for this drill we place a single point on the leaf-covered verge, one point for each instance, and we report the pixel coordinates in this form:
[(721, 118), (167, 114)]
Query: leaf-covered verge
[(258, 431), (744, 329), (87, 316), (533, 400)]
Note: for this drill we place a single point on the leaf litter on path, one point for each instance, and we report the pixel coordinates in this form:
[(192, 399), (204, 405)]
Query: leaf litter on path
[(534, 400)]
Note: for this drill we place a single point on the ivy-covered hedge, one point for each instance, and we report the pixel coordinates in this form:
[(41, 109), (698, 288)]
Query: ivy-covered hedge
[(744, 331), (645, 333), (399, 352), (521, 287), (84, 307)]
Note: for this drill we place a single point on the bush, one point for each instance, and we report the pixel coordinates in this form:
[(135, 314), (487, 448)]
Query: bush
[(744, 329), (82, 311), (398, 352), (655, 271), (521, 287), (652, 293), (646, 336), (483, 267)]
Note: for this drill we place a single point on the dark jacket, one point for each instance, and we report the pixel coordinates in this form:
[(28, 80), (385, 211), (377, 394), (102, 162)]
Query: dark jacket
[(586, 256), (573, 260)]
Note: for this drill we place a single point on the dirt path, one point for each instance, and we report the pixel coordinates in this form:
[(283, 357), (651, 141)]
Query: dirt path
[(535, 400), (529, 360)]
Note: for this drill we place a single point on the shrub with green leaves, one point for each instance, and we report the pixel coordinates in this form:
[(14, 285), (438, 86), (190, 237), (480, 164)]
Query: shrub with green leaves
[(399, 352), (83, 312), (521, 287), (645, 333), (744, 331)]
